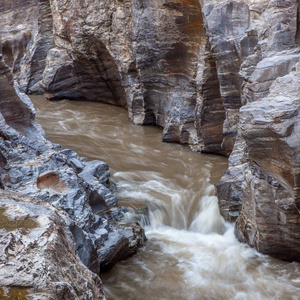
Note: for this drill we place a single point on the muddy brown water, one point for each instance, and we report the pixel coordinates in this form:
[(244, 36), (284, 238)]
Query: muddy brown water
[(191, 252)]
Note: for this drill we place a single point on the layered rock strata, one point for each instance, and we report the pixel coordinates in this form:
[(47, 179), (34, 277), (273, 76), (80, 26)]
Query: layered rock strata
[(259, 189), (148, 65), (34, 166), (269, 181), (26, 36), (122, 53), (182, 65), (166, 72)]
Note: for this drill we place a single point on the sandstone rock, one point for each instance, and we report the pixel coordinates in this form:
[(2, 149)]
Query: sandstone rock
[(38, 254)]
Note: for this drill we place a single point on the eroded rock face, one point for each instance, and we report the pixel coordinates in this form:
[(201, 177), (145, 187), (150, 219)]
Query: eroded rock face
[(38, 253), (167, 55), (187, 66), (159, 59), (226, 24), (122, 53), (34, 166), (82, 65), (259, 189), (26, 36), (269, 219), (153, 57)]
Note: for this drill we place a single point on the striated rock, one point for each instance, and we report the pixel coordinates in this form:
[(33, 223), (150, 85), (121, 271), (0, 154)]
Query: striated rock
[(81, 66), (93, 77), (25, 39), (229, 188), (210, 111), (269, 219), (259, 188), (167, 55), (268, 172), (169, 72), (33, 166), (187, 66), (154, 58), (38, 252), (104, 50), (226, 24), (176, 69), (244, 39)]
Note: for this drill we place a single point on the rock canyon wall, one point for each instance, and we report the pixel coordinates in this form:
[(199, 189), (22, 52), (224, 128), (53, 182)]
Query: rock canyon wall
[(259, 189), (219, 75)]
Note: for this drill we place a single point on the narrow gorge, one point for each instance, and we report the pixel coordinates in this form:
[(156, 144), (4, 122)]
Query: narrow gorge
[(221, 77)]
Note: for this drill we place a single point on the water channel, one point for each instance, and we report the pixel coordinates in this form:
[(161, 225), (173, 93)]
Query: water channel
[(191, 252)]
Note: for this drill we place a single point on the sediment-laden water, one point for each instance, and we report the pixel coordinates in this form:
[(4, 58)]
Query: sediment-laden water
[(191, 252)]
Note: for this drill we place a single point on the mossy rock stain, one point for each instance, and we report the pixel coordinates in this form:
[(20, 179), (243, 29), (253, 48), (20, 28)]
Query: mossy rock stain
[(10, 225), (13, 293)]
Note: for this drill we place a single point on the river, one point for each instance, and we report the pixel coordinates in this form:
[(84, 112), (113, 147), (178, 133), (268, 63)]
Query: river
[(191, 253)]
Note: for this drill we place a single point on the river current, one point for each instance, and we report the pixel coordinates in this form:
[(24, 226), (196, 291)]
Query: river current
[(191, 253)]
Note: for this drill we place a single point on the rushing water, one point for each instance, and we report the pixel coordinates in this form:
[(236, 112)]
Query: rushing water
[(191, 252)]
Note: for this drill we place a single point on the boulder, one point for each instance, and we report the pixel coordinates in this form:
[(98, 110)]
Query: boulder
[(38, 258)]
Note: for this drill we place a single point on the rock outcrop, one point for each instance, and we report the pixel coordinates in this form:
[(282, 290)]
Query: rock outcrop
[(199, 69), (179, 73), (34, 166), (38, 257), (122, 53), (26, 36), (269, 181), (259, 189), (187, 66)]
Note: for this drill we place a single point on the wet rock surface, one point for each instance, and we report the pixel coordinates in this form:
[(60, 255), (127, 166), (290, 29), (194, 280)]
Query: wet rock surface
[(34, 166)]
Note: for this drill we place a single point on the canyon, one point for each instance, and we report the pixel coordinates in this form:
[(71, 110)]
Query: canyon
[(222, 77)]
